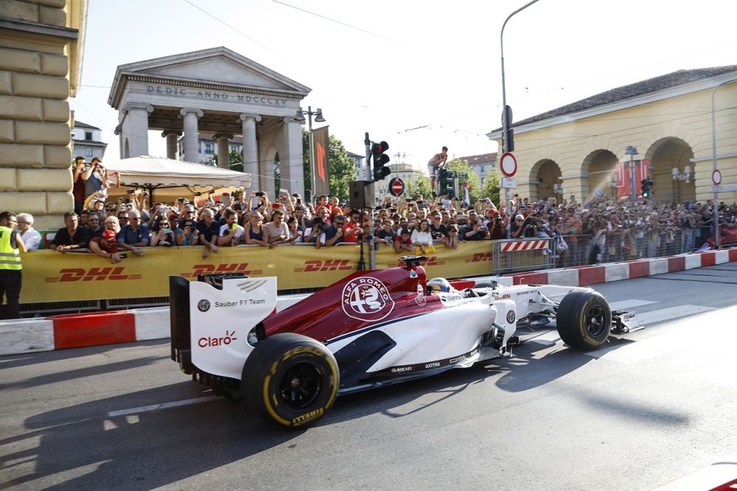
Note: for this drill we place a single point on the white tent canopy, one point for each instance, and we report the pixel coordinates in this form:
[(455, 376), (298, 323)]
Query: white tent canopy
[(156, 173)]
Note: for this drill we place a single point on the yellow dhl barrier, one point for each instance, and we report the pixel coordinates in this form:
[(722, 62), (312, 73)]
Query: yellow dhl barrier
[(49, 276)]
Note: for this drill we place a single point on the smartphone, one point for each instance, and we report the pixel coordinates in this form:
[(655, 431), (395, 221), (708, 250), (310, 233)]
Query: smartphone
[(122, 255), (259, 194)]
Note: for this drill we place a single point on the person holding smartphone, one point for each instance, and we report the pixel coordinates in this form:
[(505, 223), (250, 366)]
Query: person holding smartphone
[(231, 234)]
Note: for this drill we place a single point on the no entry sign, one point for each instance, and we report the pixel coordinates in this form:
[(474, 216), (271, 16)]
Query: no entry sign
[(508, 165), (396, 186)]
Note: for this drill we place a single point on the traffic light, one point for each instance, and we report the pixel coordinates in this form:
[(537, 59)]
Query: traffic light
[(380, 160), (446, 182), (647, 188)]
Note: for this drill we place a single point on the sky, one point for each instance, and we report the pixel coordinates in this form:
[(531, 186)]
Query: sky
[(414, 73)]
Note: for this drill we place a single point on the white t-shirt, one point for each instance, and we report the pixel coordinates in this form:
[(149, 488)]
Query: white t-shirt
[(240, 232)]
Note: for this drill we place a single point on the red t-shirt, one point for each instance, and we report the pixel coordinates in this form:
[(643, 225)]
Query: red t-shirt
[(347, 235), (112, 248)]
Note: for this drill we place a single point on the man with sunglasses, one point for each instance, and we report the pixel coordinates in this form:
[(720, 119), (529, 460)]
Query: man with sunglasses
[(134, 234)]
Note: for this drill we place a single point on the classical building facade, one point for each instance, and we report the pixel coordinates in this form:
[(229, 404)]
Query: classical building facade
[(41, 45), (87, 141), (216, 91), (674, 129)]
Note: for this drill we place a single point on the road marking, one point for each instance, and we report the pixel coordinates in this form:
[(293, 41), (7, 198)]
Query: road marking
[(157, 407), (671, 313), (629, 304)]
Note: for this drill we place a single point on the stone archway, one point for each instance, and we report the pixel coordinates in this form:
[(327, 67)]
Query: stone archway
[(669, 159), (545, 180), (601, 168)]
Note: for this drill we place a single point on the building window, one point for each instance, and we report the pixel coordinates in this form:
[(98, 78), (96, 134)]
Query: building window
[(88, 152), (88, 135), (208, 148)]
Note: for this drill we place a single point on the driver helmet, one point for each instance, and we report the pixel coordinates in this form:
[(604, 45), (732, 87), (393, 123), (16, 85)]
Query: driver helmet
[(436, 285)]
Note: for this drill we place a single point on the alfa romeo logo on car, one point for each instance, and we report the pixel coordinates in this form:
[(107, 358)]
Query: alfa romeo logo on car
[(203, 305), (511, 316), (366, 299)]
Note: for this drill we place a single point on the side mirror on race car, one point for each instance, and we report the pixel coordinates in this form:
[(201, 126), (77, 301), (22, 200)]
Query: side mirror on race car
[(412, 261)]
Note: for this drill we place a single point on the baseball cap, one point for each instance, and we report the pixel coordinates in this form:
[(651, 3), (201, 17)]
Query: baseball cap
[(109, 235)]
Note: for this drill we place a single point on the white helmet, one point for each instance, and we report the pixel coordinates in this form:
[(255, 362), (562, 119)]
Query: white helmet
[(436, 285)]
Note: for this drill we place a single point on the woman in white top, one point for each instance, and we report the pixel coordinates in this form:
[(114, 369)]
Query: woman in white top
[(422, 238)]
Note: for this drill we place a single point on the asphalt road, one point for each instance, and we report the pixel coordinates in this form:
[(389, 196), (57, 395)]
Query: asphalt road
[(633, 416)]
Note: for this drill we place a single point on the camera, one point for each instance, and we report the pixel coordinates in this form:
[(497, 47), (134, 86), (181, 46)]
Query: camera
[(259, 194)]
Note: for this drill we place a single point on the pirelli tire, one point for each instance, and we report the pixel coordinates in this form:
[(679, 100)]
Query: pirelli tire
[(290, 380), (584, 320)]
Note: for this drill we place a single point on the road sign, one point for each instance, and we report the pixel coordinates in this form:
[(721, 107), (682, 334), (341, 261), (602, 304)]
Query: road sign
[(716, 177), (723, 188), (509, 183), (396, 186), (508, 165)]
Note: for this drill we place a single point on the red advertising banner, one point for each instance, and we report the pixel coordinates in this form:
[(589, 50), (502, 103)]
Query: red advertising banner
[(625, 177), (320, 165)]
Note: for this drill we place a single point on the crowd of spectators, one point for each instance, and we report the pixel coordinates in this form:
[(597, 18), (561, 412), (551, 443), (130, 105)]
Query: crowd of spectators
[(597, 230)]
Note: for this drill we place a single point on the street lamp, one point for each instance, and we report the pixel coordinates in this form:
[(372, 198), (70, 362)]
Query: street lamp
[(506, 112), (300, 118), (632, 151)]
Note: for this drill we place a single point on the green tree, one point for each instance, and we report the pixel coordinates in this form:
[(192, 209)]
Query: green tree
[(236, 160), (490, 188), (461, 166), (418, 185), (341, 167)]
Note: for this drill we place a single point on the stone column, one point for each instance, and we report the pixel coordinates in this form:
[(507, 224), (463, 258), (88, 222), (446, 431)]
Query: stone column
[(172, 140), (191, 133), (290, 154), (135, 128), (223, 149), (251, 164)]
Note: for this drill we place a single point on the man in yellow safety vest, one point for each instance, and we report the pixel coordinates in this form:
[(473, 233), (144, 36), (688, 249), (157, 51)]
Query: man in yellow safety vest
[(11, 245)]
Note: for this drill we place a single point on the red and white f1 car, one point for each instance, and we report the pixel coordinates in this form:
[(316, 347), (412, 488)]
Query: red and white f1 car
[(367, 330)]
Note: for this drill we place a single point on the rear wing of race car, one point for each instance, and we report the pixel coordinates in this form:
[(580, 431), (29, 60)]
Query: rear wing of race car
[(210, 320)]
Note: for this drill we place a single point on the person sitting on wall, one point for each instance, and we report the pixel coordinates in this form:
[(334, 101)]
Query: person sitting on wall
[(72, 236), (134, 235)]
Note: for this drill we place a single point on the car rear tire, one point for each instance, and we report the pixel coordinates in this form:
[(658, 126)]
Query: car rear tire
[(290, 380), (584, 320)]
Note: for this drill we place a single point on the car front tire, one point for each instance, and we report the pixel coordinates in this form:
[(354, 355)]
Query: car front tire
[(584, 320)]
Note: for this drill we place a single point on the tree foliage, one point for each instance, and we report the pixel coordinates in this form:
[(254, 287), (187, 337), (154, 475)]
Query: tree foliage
[(461, 166), (490, 189), (418, 185), (235, 160)]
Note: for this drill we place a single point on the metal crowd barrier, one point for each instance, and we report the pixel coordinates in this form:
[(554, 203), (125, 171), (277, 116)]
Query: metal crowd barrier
[(514, 255)]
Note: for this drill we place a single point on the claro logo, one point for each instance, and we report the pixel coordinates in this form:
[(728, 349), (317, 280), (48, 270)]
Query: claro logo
[(314, 265), (480, 258), (212, 342), (199, 269), (431, 261), (92, 274)]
